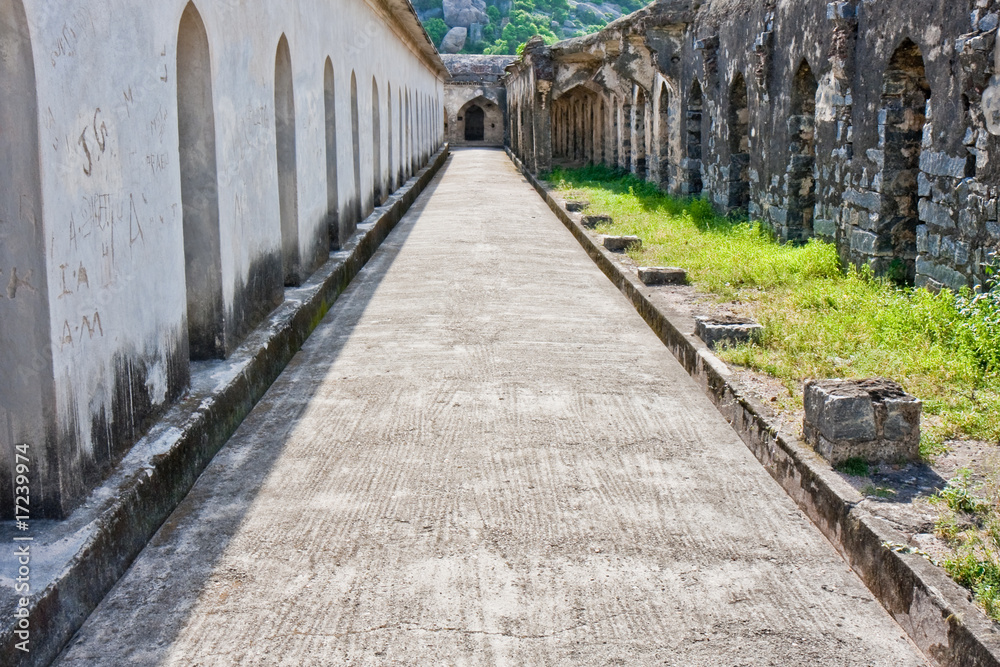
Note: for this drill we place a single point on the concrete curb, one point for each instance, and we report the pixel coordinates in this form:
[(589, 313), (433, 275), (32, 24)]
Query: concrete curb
[(79, 559), (934, 611)]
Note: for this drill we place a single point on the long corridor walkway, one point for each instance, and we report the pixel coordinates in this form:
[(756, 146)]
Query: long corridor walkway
[(483, 456)]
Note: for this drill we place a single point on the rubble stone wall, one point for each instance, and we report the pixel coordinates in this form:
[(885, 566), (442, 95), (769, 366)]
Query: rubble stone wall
[(875, 125)]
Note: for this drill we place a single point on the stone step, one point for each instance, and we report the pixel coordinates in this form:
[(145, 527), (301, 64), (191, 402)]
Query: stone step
[(662, 275), (621, 243), (591, 221), (731, 330)]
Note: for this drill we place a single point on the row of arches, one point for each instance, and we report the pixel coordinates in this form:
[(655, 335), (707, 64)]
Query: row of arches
[(632, 133), (638, 131), (409, 137), (903, 111)]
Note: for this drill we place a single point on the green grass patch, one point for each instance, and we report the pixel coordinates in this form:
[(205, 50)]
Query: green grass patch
[(820, 320)]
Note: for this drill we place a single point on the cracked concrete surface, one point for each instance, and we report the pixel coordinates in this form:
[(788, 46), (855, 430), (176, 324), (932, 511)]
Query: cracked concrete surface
[(483, 456)]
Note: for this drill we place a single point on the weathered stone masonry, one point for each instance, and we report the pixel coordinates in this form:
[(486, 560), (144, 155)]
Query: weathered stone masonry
[(166, 169), (872, 124)]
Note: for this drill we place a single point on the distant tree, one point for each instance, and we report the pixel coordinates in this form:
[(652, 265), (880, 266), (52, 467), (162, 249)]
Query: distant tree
[(436, 29)]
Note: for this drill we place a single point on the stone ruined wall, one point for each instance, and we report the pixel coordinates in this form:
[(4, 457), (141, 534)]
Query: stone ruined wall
[(168, 168), (475, 82), (871, 124)]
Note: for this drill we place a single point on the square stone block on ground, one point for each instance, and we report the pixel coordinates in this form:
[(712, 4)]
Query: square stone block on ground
[(591, 221), (621, 243), (662, 275), (872, 419), (732, 330)]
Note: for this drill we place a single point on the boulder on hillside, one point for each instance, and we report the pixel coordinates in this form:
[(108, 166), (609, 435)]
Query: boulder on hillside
[(463, 13), (454, 41)]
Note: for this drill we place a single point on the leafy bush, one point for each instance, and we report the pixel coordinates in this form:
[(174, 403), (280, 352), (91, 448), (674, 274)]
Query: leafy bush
[(981, 310)]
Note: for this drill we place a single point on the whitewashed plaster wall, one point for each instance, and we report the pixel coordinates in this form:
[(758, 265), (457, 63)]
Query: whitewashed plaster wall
[(111, 211)]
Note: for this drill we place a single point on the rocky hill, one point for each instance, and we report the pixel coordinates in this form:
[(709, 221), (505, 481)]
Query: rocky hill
[(502, 26)]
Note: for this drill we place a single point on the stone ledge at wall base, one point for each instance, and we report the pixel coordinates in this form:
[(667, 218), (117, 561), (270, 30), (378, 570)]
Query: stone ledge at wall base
[(931, 608), (592, 221), (76, 561), (621, 243), (871, 419), (661, 275), (732, 331)]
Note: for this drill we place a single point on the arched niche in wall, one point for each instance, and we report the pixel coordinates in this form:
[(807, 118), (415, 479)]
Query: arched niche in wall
[(330, 127), (284, 134), (905, 94), (26, 390), (391, 175), (802, 155), (739, 144), (378, 190), (199, 188), (693, 123), (356, 199)]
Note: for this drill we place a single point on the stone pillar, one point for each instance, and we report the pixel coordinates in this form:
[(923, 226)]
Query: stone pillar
[(542, 121)]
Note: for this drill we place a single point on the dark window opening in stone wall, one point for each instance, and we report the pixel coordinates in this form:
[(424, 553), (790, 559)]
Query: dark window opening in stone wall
[(739, 145), (284, 134), (602, 142), (625, 134), (199, 189), (904, 112), (663, 131), (801, 202), (639, 133), (475, 126), (693, 127), (615, 134)]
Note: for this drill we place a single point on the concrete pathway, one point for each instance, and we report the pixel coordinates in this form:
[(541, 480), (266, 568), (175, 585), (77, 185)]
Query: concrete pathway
[(483, 456)]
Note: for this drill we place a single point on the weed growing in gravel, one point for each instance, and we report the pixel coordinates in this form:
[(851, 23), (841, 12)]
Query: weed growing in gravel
[(970, 523), (820, 319)]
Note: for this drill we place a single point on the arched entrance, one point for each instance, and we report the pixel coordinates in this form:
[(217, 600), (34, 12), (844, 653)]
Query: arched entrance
[(475, 123)]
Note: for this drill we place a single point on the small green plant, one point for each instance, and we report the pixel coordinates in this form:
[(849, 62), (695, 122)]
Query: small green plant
[(975, 566), (856, 466), (959, 494)]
